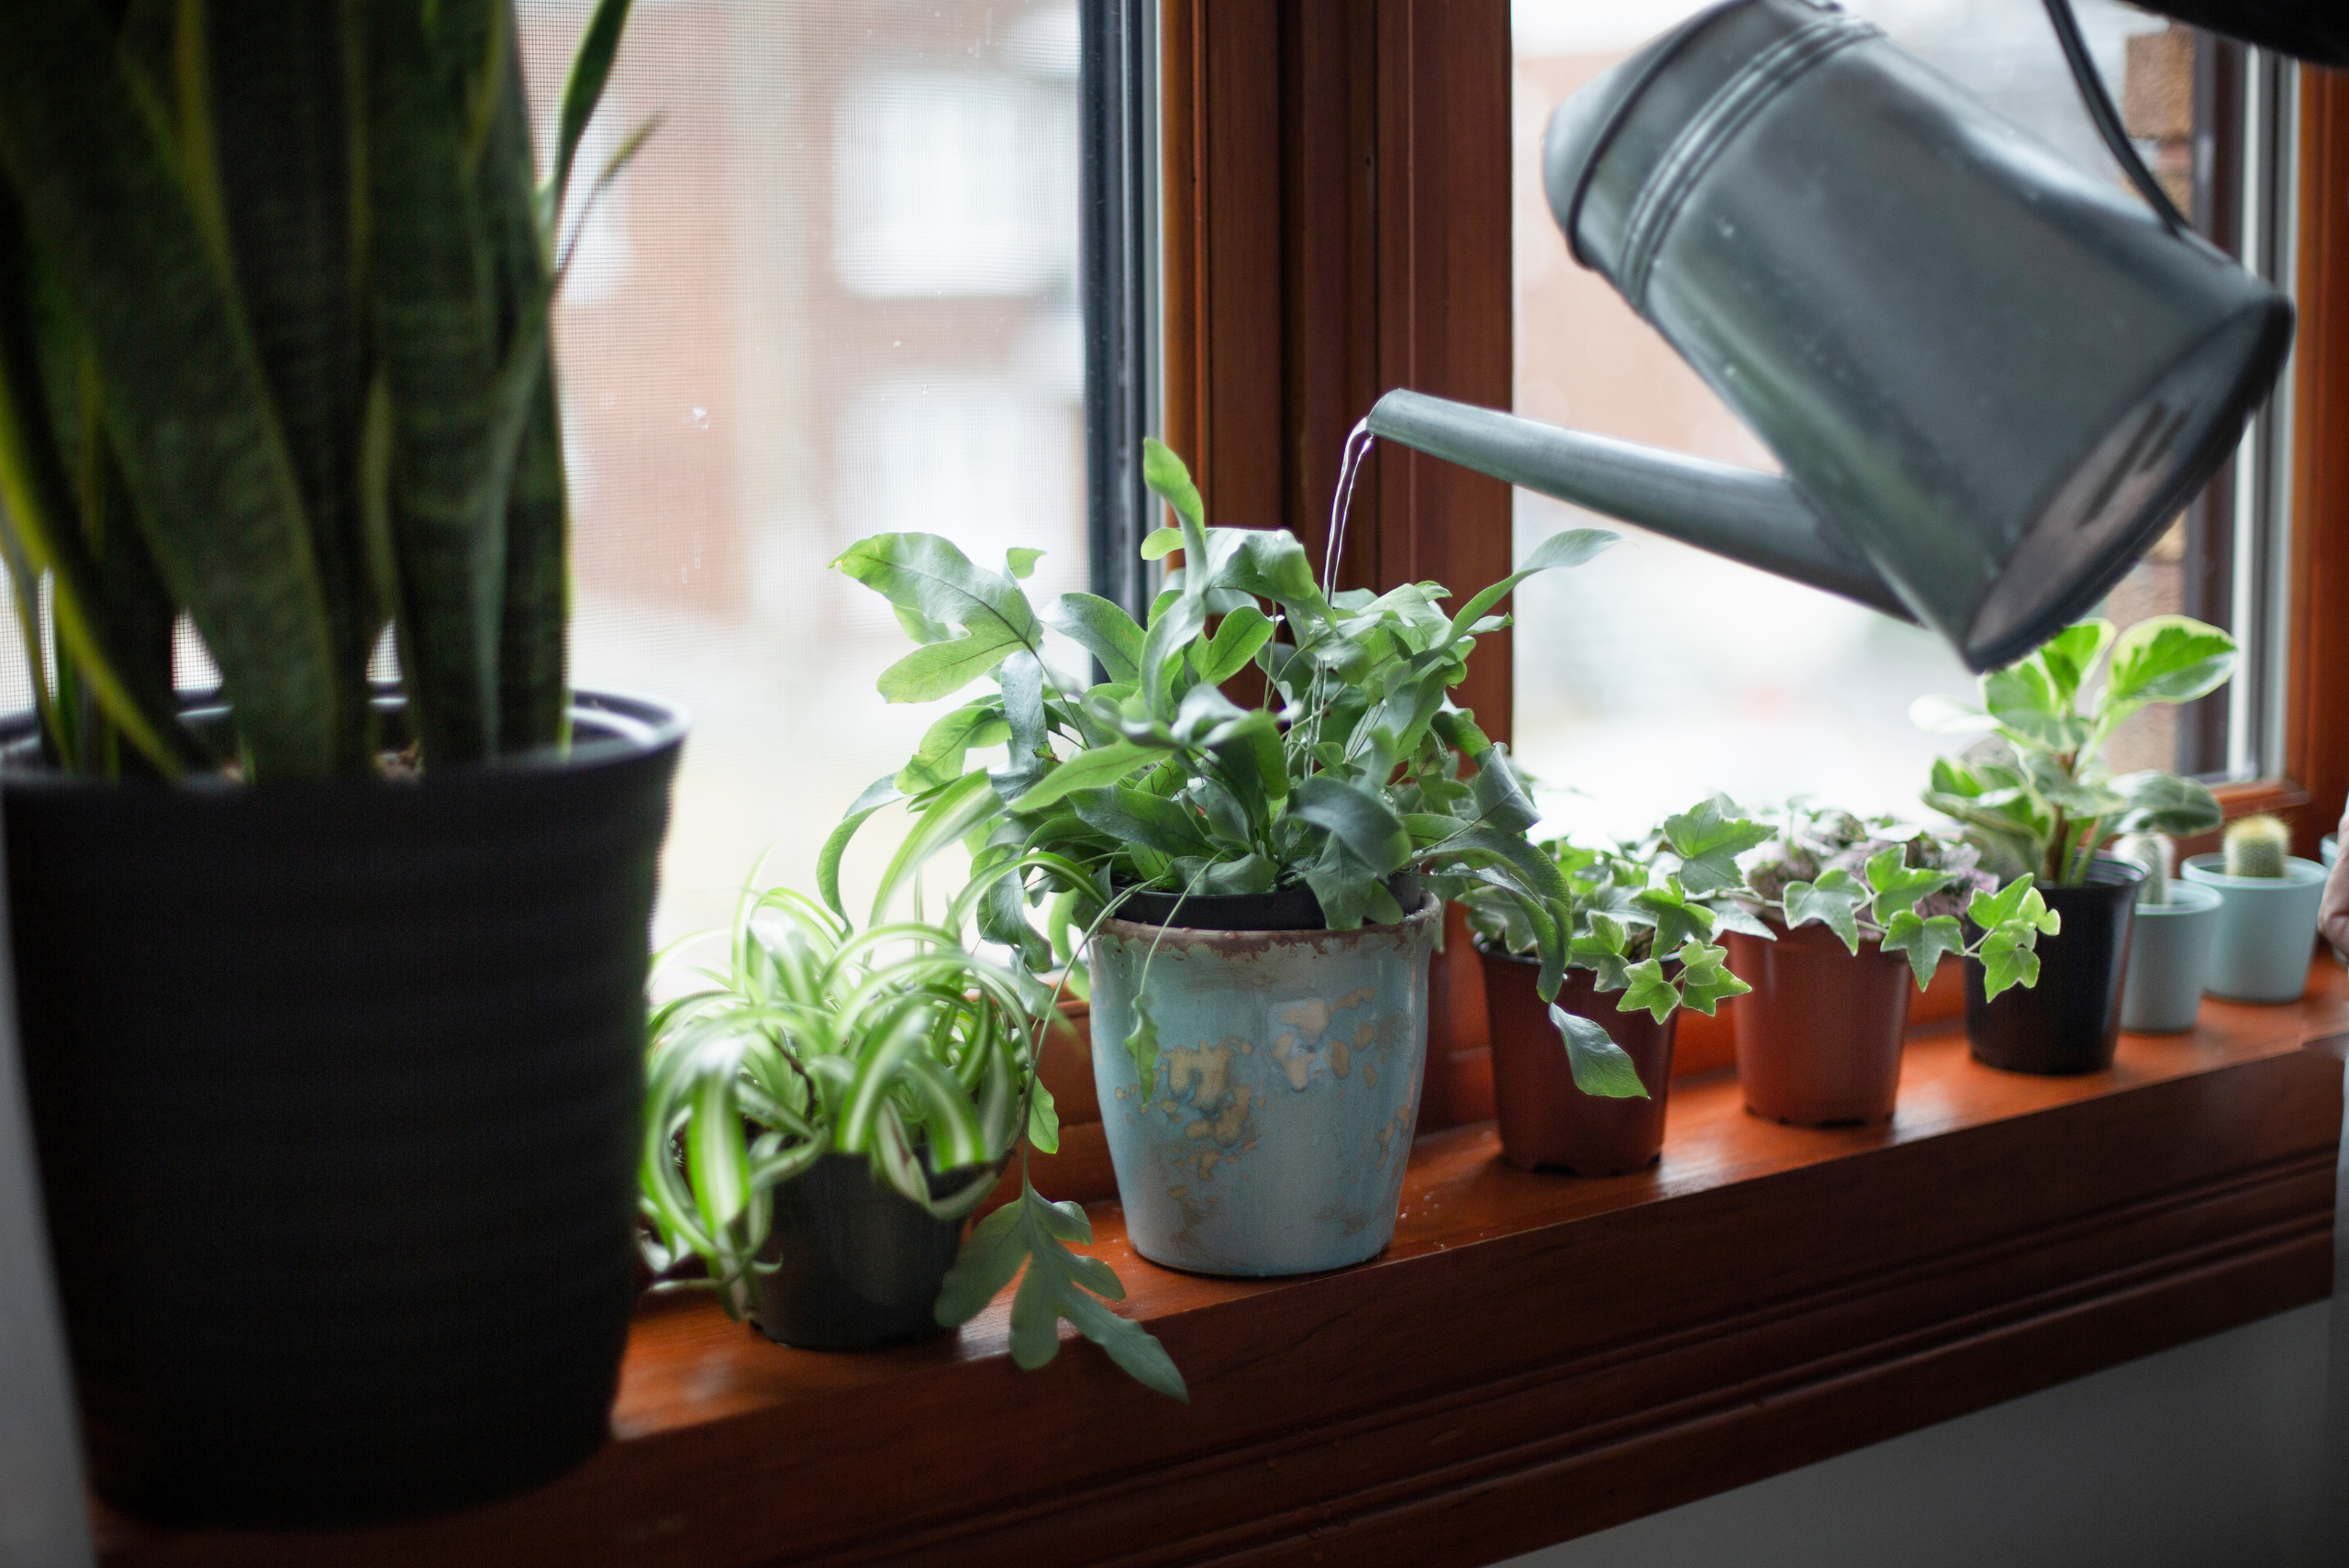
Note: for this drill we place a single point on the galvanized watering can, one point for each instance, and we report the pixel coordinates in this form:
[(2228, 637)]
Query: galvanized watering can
[(1991, 378)]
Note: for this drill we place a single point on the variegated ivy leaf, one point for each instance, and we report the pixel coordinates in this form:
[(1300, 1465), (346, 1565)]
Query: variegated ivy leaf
[(1834, 900), (1708, 838), (1923, 941), (1599, 948), (1705, 979), (1729, 914), (1600, 1067), (1894, 885), (2019, 901), (1647, 988), (2007, 961), (1677, 918)]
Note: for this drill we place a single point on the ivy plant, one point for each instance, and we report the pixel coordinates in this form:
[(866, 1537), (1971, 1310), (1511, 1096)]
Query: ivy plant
[(1352, 766), (2036, 790), (1642, 917), (896, 1044), (1904, 890)]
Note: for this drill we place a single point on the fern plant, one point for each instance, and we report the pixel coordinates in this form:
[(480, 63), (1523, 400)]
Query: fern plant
[(274, 281)]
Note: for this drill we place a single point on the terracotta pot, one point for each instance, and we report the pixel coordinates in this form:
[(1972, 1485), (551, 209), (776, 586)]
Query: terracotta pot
[(1544, 1120), (1819, 1038)]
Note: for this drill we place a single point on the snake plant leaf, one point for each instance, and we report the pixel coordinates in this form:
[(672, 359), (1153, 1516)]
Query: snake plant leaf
[(1705, 979), (1923, 941), (1599, 1066), (1101, 628), (2168, 659), (201, 446), (1708, 838), (583, 89), (1570, 546)]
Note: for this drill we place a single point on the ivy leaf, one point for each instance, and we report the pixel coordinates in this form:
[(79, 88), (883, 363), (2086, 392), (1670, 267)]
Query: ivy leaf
[(1600, 1066), (1895, 885), (2019, 901), (1708, 838), (1833, 901), (1648, 988), (1924, 941), (1101, 628), (2007, 961), (1730, 915), (1058, 1283), (2168, 659), (1677, 920), (1705, 979)]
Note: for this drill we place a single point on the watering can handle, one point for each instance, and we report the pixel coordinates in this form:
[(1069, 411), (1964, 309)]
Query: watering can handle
[(2098, 104), (1750, 517)]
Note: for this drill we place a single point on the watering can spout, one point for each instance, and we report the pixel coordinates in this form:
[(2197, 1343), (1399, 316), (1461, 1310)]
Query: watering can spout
[(1750, 517)]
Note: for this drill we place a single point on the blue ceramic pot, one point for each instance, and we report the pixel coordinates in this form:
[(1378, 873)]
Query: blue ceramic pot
[(2169, 954), (2267, 928), (1273, 1135)]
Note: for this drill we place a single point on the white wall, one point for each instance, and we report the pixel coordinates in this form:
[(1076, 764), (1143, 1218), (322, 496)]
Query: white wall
[(2207, 1456)]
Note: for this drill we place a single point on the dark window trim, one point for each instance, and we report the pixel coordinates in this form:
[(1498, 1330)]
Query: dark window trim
[(1116, 237)]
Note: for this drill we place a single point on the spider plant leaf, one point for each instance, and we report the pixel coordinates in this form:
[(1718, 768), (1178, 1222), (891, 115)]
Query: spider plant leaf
[(877, 793), (202, 445), (944, 818)]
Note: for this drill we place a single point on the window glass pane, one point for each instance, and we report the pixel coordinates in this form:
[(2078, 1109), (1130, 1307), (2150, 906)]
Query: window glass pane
[(1658, 673), (833, 296)]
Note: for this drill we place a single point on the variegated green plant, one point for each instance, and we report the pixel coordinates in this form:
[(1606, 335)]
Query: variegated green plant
[(895, 1043), (274, 279), (2035, 793), (1347, 772), (1642, 918)]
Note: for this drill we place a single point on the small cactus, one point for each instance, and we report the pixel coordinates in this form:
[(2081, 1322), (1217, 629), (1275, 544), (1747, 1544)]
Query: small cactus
[(2152, 851), (2257, 846)]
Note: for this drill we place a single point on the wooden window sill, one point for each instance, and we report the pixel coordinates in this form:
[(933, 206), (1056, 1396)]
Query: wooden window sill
[(1536, 1357)]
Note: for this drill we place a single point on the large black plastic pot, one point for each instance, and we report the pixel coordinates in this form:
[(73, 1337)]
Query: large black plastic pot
[(336, 1089), (2070, 1021), (859, 1265)]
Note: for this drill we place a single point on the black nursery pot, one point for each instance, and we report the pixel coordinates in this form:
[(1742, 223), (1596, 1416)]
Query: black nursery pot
[(336, 1089), (2070, 1021), (860, 1265), (1292, 909)]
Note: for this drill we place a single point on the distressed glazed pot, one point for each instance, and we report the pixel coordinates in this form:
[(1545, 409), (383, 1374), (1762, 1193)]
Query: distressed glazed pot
[(2267, 928), (339, 1089), (2070, 1022), (2169, 957), (1273, 1136), (1543, 1118), (858, 1266), (1819, 1038)]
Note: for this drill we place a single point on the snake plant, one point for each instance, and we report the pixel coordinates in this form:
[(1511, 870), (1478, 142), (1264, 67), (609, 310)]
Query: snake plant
[(274, 281)]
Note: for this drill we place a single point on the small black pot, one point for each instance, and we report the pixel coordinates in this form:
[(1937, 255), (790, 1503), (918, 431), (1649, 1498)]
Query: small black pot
[(336, 1089), (860, 1265), (2070, 1021), (1292, 909)]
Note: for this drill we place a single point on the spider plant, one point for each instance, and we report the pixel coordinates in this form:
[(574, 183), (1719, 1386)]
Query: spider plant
[(274, 280), (896, 1044)]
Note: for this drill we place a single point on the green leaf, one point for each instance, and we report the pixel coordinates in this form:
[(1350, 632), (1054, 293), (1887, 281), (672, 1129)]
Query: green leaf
[(1161, 543), (1600, 1067), (1019, 564), (1356, 818), (583, 89), (2161, 802), (1170, 637), (1705, 979), (1677, 920), (1137, 817), (1833, 901), (877, 793), (2019, 901), (2169, 659), (944, 818), (2007, 961), (1270, 564), (1570, 546), (1708, 838), (1171, 482), (939, 760), (2026, 705), (1141, 1044), (1236, 640), (1102, 629), (926, 574), (1499, 793), (1924, 941), (1647, 988), (1087, 769), (1894, 886), (2071, 654)]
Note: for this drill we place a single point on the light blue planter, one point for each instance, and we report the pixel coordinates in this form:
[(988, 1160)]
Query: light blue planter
[(1272, 1138), (2169, 954), (2267, 928)]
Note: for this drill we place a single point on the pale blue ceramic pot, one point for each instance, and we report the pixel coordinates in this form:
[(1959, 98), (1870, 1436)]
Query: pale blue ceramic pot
[(2169, 955), (1273, 1136), (2267, 928)]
